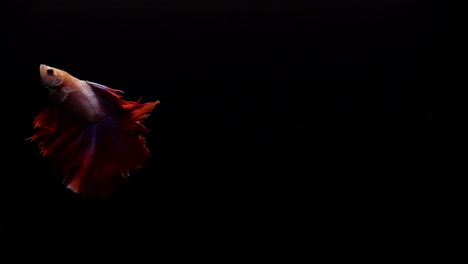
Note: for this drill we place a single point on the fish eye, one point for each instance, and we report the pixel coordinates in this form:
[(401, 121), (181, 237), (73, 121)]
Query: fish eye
[(50, 71)]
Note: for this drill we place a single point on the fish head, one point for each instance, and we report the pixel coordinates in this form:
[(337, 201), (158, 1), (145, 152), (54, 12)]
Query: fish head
[(51, 77)]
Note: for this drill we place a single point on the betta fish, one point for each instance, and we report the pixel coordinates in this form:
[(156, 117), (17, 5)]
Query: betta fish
[(92, 136)]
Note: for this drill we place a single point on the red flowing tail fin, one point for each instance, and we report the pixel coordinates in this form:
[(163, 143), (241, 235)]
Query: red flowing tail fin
[(95, 158)]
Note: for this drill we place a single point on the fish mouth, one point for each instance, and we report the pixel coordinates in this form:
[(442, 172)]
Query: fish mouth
[(42, 69)]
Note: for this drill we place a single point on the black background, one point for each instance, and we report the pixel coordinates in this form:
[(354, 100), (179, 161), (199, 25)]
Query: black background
[(280, 122)]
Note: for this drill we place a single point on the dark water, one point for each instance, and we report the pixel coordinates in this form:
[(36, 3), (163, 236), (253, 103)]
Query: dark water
[(279, 122)]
